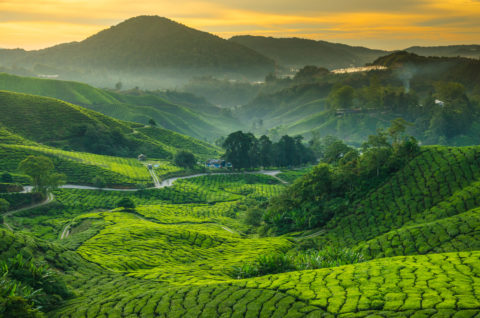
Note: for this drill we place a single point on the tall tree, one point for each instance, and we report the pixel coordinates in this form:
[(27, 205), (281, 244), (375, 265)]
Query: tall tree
[(42, 172), (265, 151), (238, 149)]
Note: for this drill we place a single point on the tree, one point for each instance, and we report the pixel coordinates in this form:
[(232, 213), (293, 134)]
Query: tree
[(238, 149), (152, 122), (335, 151), (185, 159), (310, 72), (397, 128), (4, 205), (126, 203), (41, 170), (265, 151), (7, 177), (341, 97), (118, 86)]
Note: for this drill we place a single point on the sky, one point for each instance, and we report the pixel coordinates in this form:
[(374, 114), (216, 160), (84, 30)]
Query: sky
[(382, 24)]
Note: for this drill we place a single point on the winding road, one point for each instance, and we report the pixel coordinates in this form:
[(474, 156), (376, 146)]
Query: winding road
[(168, 182), (158, 185), (49, 199)]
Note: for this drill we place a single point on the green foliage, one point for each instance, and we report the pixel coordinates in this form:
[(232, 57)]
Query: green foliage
[(18, 200), (99, 182), (173, 256), (4, 205), (341, 98), (6, 177), (327, 190), (244, 150), (127, 204), (27, 286), (41, 170), (91, 131), (185, 159), (287, 262), (253, 216)]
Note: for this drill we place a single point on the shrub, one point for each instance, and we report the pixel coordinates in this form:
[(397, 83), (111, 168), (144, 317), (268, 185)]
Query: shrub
[(4, 205), (126, 203), (6, 177), (265, 264), (286, 262), (254, 216)]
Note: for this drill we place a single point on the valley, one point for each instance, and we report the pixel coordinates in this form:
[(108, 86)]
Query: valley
[(155, 170)]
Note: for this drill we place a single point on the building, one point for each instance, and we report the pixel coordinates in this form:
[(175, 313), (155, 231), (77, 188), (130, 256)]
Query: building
[(217, 164), (142, 157)]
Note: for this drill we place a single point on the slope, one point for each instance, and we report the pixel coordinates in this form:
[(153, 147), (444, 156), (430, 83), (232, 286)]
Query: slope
[(470, 51), (296, 52), (148, 47), (108, 264), (429, 206), (187, 115), (49, 121), (410, 86)]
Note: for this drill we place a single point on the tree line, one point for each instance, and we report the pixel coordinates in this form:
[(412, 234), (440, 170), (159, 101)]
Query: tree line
[(344, 175), (245, 151)]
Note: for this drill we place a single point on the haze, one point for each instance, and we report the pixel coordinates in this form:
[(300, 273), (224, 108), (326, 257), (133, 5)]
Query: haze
[(34, 24)]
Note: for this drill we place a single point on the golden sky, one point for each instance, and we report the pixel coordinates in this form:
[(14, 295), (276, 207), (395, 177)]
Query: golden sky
[(387, 24)]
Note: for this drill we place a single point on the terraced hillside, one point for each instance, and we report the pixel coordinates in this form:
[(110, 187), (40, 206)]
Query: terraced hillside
[(174, 111), (81, 168), (60, 124), (430, 206), (175, 255)]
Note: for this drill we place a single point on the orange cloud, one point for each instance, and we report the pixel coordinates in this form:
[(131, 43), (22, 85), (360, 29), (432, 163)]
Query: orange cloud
[(41, 23)]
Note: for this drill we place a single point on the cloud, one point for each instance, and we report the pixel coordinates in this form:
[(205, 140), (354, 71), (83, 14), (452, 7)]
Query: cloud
[(375, 23)]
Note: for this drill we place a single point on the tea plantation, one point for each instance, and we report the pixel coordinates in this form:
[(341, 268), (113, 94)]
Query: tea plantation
[(175, 253)]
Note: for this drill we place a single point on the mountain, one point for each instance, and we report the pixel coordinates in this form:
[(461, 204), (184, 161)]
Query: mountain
[(296, 52), (143, 49), (471, 51), (60, 124), (180, 112)]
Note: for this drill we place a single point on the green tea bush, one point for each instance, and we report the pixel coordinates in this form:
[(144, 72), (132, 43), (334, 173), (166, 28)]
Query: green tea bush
[(294, 261)]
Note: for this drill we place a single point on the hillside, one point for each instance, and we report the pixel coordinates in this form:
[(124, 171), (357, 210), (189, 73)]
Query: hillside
[(56, 123), (143, 49), (174, 255), (296, 52), (186, 114), (429, 206), (426, 70), (409, 86), (470, 51)]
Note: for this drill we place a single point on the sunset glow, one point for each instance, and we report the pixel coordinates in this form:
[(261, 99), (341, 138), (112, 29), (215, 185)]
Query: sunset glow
[(34, 24)]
